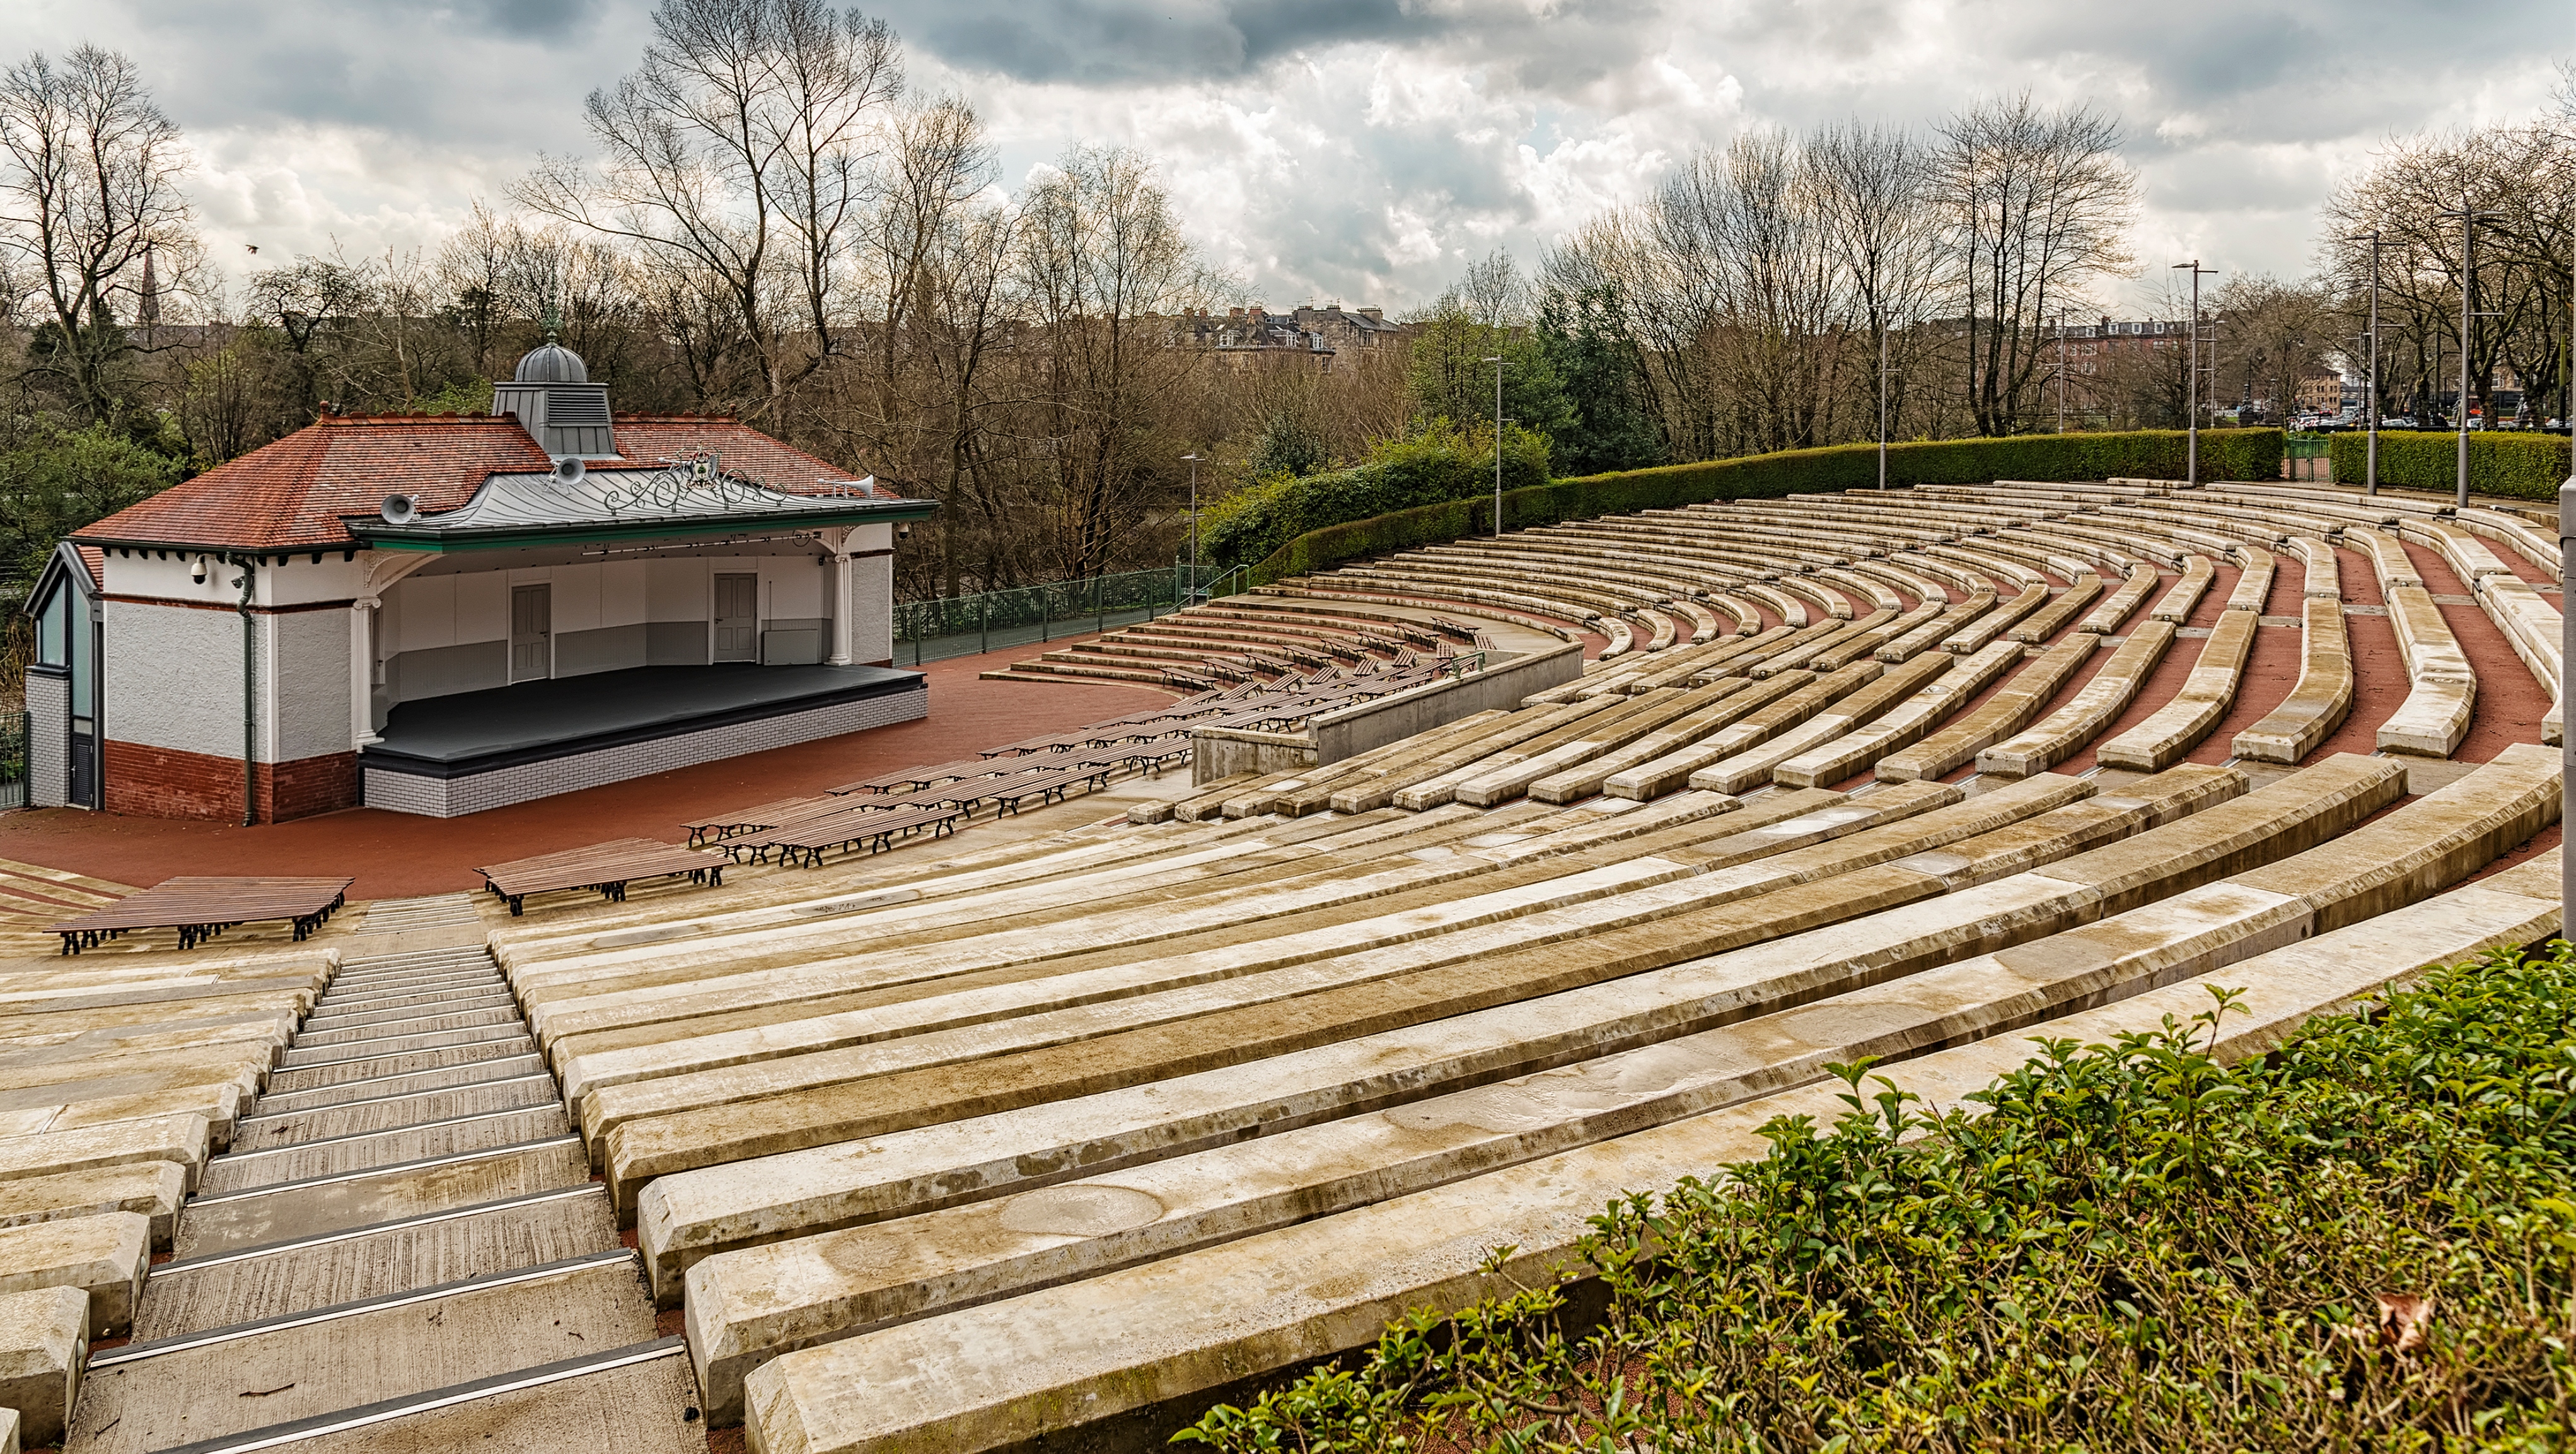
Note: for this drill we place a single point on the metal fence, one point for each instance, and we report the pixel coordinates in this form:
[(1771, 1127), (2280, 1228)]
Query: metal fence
[(13, 760), (1034, 615)]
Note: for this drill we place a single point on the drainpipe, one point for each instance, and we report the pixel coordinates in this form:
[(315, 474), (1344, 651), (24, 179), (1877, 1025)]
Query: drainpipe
[(250, 701)]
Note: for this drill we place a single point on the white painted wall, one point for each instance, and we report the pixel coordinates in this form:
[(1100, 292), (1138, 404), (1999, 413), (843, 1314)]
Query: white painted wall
[(173, 678)]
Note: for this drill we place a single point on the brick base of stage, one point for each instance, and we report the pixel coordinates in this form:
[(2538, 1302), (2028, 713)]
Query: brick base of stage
[(156, 782)]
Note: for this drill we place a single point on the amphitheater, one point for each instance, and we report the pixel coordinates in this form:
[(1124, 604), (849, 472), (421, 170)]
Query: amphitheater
[(1068, 1124)]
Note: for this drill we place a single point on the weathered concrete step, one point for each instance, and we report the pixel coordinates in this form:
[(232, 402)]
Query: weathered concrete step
[(360, 979), (339, 1052), (302, 1161), (1044, 1365), (1558, 1007), (361, 987), (260, 1216), (200, 1386), (347, 1266), (406, 999), (349, 1030), (638, 1399), (386, 1113), (279, 1100), (317, 1024), (373, 1067)]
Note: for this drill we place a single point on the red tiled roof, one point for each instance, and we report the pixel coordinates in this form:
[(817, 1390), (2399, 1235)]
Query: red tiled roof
[(96, 561), (290, 495)]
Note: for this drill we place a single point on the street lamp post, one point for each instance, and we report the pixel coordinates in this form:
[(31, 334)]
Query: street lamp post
[(1882, 404), (1497, 362), (2469, 217), (2191, 455), (1193, 458), (2061, 373), (2370, 484)]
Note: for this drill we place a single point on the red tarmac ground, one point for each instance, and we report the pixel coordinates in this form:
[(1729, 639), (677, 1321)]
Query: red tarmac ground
[(397, 855)]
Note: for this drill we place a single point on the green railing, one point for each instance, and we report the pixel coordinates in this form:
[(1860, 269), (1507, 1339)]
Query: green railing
[(949, 626), (13, 760)]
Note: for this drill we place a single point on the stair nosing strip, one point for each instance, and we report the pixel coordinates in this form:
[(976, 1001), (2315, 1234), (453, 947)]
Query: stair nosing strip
[(367, 1415), (242, 1121), (342, 1004), (395, 1075), (375, 1229), (405, 1035), (390, 1167), (310, 1317), (410, 984), (232, 1156), (390, 1054)]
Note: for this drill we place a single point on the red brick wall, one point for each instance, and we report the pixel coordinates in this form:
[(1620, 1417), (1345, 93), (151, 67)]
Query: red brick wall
[(155, 782)]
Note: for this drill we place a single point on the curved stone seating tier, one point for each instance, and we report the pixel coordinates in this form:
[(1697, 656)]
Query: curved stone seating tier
[(1944, 996), (1976, 863), (1753, 767), (2198, 572), (1975, 635), (2095, 705), (1871, 593), (1774, 705), (2511, 531), (1905, 723), (2534, 628), (2322, 696), (2192, 713), (2324, 571), (2435, 715), (2006, 574), (2007, 711), (2253, 579), (2044, 623), (1842, 641), (1280, 1296), (1939, 628)]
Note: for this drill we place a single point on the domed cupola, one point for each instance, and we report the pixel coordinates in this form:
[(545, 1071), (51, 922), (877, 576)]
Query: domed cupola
[(551, 363), (552, 397)]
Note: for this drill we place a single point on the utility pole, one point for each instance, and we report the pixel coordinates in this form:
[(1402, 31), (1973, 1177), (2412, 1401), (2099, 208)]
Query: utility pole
[(2371, 478), (1193, 458), (1497, 362), (2469, 217), (2191, 457)]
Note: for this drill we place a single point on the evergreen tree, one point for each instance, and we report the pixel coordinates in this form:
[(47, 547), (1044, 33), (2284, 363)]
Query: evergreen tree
[(1589, 348)]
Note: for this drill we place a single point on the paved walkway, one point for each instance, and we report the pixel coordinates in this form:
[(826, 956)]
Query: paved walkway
[(396, 855)]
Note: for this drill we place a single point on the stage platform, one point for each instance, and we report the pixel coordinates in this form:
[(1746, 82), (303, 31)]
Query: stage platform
[(448, 756)]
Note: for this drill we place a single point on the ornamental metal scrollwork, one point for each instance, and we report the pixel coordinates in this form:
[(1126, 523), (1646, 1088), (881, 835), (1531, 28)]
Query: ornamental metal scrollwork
[(693, 483)]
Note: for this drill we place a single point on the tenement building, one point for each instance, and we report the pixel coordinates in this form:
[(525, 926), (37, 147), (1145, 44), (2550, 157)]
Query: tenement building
[(441, 614)]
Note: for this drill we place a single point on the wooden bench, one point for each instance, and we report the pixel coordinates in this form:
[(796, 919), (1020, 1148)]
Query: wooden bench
[(607, 867), (767, 815), (807, 842), (201, 908)]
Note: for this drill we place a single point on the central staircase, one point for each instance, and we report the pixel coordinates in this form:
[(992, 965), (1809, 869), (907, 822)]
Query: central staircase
[(403, 1249)]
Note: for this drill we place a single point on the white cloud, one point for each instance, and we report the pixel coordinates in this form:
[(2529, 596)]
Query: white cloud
[(1353, 148)]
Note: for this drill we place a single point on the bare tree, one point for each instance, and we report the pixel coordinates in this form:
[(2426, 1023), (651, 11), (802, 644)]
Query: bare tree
[(737, 160), (2040, 205), (1871, 186), (91, 188)]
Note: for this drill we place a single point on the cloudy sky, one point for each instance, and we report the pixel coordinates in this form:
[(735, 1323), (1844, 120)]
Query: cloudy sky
[(1364, 150)]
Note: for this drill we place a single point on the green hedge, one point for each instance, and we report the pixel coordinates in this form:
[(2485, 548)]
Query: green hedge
[(2235, 454), (2523, 466), (1441, 463), (2363, 1240)]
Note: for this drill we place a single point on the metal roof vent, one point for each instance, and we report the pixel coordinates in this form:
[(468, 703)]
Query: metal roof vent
[(552, 397)]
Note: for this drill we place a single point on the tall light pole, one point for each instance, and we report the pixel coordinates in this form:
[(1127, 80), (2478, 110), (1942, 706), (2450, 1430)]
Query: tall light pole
[(1882, 404), (2371, 478), (1193, 458), (2061, 373), (1497, 362), (2469, 217), (2191, 457)]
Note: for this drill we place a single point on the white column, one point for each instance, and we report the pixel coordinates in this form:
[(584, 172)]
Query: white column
[(362, 670), (841, 601)]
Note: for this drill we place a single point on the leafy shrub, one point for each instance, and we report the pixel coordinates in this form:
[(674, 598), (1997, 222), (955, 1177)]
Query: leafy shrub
[(1443, 462), (1331, 538), (2523, 466), (2364, 1240)]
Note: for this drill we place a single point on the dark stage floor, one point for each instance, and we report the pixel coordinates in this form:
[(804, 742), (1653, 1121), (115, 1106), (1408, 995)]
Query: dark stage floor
[(576, 714)]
